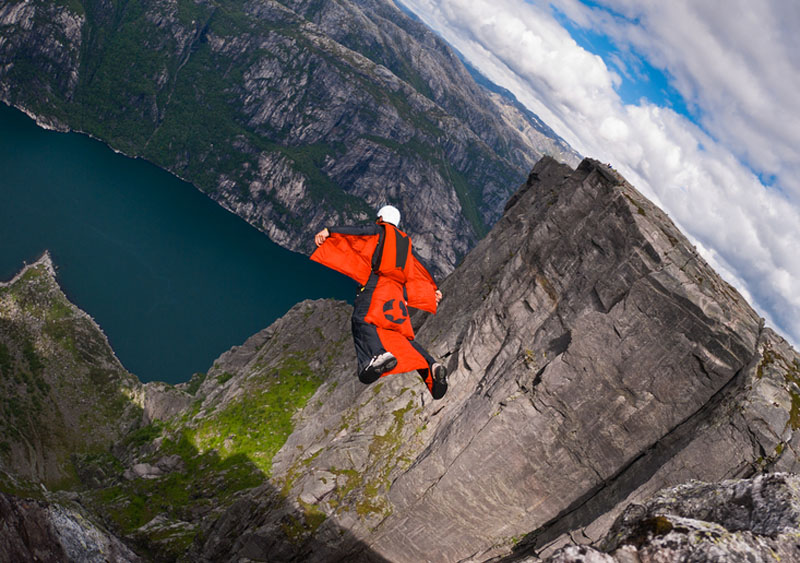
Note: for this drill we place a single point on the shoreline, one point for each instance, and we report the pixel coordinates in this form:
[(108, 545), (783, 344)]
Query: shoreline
[(46, 260), (60, 127)]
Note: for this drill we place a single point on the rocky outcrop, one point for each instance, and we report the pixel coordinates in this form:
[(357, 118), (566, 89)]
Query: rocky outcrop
[(594, 360), (33, 530), (743, 520), (594, 357), (292, 114), (163, 401), (63, 389)]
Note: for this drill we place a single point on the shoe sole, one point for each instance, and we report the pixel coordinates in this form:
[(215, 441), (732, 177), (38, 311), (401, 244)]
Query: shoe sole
[(372, 373), (388, 365), (439, 384)]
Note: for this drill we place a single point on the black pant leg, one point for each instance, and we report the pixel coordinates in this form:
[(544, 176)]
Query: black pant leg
[(423, 352), (365, 335)]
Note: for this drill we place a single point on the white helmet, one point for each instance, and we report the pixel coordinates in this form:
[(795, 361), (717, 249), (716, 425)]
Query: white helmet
[(390, 214)]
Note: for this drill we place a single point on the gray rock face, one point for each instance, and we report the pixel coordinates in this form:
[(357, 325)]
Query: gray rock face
[(594, 360), (51, 39), (163, 401), (292, 114), (744, 520), (594, 357), (597, 332), (34, 530)]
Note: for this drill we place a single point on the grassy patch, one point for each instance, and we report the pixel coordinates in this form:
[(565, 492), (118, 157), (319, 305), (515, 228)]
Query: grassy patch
[(258, 423), (297, 528), (203, 481), (224, 377), (195, 382), (792, 378), (35, 363), (143, 435)]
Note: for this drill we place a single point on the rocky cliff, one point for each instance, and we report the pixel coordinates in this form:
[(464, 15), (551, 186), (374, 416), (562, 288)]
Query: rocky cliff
[(45, 417), (737, 520), (293, 114), (594, 359)]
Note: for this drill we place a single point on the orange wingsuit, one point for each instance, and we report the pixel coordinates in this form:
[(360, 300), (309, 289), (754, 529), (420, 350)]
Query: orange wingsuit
[(380, 258)]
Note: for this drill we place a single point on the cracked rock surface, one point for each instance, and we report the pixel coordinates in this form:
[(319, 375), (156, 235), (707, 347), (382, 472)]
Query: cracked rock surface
[(735, 520), (594, 359), (34, 530)]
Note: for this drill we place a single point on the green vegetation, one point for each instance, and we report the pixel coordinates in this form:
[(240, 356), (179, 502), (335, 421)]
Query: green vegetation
[(224, 377), (468, 196), (143, 435), (6, 361), (639, 209), (258, 424), (195, 382), (123, 66), (74, 6), (191, 12), (791, 377), (370, 499), (231, 449), (767, 358), (297, 528), (309, 160), (649, 528), (383, 451), (201, 482)]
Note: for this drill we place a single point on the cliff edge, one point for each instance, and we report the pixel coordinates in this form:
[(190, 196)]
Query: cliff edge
[(595, 358)]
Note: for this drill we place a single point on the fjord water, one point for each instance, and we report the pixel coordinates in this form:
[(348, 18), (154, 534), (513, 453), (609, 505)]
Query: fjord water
[(171, 277)]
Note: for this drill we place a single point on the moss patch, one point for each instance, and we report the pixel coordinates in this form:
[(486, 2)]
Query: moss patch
[(791, 374), (648, 529), (201, 483), (258, 423)]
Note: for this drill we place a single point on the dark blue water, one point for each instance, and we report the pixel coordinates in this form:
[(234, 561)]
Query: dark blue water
[(173, 279)]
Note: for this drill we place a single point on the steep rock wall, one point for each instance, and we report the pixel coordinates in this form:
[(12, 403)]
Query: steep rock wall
[(64, 391), (594, 358)]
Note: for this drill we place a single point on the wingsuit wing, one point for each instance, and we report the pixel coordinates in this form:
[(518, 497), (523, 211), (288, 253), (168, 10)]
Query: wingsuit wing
[(350, 255), (420, 287)]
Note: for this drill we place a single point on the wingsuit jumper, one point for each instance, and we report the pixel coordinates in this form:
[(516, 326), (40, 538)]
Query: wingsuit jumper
[(391, 279)]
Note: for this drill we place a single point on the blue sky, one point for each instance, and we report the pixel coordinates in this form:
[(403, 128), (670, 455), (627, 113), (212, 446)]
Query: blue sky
[(694, 102), (639, 78)]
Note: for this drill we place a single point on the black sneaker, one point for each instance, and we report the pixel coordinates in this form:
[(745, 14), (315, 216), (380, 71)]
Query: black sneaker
[(439, 380), (378, 365)]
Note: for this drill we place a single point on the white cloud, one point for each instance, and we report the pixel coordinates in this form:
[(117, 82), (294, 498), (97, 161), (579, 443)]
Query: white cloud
[(739, 64), (737, 61)]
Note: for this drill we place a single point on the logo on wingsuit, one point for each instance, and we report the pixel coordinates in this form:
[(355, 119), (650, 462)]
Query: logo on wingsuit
[(389, 311)]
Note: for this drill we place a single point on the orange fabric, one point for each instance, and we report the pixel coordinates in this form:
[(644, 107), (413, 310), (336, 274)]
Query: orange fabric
[(420, 287), (388, 309), (408, 359), (350, 255)]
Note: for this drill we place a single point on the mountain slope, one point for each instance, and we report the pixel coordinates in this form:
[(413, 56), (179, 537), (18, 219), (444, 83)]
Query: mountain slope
[(64, 391), (594, 359), (294, 115)]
